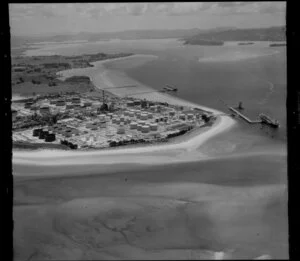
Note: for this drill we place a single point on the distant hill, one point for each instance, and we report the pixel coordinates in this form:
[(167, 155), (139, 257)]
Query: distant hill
[(124, 35), (190, 36), (253, 34)]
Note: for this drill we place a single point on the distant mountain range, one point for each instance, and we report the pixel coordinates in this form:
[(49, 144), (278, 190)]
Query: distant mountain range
[(253, 34), (188, 35)]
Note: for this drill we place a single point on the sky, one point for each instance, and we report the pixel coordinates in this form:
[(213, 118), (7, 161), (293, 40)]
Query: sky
[(49, 19)]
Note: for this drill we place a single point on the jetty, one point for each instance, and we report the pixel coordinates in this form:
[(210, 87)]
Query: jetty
[(244, 117)]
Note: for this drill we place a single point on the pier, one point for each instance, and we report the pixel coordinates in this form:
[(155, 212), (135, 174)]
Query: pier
[(244, 117)]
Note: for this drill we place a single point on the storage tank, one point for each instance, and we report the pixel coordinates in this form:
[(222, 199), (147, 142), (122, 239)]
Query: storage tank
[(137, 103), (130, 103), (60, 103), (144, 116), (121, 130), (172, 113), (133, 125), (36, 132), (150, 116), (50, 137), (153, 126), (145, 128), (102, 117), (182, 116), (139, 127), (152, 108), (190, 116), (138, 114)]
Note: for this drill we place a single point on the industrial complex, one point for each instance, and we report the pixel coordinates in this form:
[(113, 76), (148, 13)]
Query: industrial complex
[(80, 121)]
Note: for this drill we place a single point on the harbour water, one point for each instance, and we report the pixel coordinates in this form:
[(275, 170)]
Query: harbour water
[(237, 205)]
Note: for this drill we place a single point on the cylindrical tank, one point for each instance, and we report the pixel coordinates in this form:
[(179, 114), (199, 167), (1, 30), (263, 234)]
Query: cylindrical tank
[(172, 113), (36, 132), (182, 116), (145, 128), (121, 130), (190, 116), (144, 116), (133, 125), (130, 103), (139, 127), (102, 117), (138, 115), (153, 126)]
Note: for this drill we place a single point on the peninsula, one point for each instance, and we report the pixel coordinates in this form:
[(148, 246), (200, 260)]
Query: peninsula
[(67, 109)]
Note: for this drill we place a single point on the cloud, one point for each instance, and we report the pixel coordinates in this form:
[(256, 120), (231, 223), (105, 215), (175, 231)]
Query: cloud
[(227, 8), (136, 8), (95, 10)]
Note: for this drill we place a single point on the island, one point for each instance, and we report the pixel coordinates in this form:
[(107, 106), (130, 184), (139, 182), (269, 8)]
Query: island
[(277, 44), (204, 42), (247, 43), (212, 37)]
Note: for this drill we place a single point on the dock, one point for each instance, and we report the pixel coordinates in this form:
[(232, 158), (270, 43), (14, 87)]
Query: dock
[(244, 117)]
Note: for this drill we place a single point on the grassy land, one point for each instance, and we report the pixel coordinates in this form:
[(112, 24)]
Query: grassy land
[(38, 74)]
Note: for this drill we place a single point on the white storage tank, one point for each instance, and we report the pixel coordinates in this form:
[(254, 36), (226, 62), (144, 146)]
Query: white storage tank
[(153, 126), (145, 128), (172, 113), (190, 116), (121, 130), (138, 115), (133, 125), (144, 116)]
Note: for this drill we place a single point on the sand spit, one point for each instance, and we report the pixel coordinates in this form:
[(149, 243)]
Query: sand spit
[(235, 56)]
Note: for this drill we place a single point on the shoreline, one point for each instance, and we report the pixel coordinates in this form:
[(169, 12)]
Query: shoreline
[(181, 146)]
